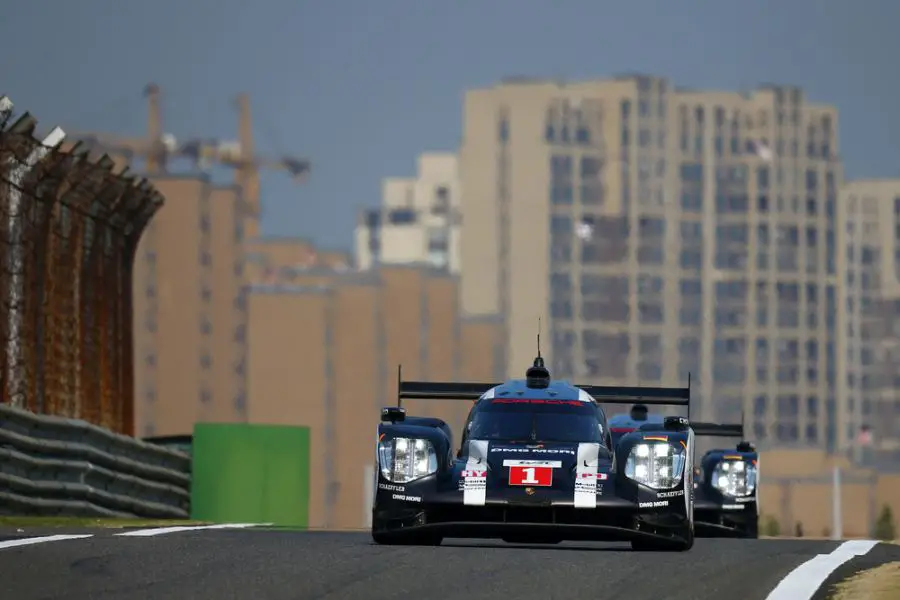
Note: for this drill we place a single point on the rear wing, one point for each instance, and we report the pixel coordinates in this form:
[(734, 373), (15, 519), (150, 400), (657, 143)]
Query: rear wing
[(718, 429), (656, 396), (439, 390)]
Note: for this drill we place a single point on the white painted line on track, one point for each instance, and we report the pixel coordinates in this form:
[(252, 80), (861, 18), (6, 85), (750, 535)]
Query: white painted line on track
[(164, 530), (802, 582), (41, 540)]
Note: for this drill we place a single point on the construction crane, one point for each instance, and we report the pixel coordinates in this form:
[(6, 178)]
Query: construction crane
[(159, 147)]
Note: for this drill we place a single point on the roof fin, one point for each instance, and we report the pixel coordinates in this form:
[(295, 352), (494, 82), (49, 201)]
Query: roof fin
[(538, 376)]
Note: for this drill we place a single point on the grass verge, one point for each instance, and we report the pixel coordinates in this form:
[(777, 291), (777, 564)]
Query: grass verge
[(92, 522), (880, 583)]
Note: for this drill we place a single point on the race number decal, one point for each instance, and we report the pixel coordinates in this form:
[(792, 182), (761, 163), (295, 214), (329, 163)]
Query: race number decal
[(538, 476)]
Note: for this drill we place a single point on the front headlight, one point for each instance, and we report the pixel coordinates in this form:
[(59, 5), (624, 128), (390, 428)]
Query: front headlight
[(405, 459), (735, 478), (659, 466)]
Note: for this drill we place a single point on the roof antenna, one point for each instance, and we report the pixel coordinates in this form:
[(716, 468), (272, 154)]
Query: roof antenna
[(537, 376)]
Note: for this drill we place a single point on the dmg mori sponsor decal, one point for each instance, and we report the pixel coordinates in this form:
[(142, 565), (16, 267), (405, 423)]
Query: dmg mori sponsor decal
[(406, 498), (655, 504), (671, 494)]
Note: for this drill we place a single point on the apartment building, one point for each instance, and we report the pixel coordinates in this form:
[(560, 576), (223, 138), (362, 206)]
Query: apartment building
[(659, 232), (869, 259), (418, 219), (324, 351), (190, 309)]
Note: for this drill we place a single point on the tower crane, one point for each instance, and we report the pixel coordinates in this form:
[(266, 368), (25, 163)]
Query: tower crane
[(159, 147)]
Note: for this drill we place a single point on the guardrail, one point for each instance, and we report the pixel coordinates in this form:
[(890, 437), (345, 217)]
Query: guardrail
[(58, 466)]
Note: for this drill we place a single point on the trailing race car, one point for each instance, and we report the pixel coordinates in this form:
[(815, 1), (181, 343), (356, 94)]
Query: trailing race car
[(726, 481), (536, 464)]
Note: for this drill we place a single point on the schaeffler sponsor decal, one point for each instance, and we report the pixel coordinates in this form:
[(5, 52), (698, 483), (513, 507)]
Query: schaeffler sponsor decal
[(553, 464), (586, 475), (672, 494), (534, 450), (406, 498), (474, 476), (657, 504), (391, 487)]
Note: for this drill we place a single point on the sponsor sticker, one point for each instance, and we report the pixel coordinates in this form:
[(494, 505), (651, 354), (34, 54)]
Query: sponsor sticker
[(406, 498), (734, 506), (655, 504), (390, 487), (534, 450), (748, 499), (671, 494), (583, 475), (656, 438)]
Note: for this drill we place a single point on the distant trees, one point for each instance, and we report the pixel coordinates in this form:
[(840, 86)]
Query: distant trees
[(884, 525)]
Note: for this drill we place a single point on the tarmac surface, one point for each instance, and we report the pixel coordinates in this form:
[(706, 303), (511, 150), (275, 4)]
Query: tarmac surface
[(275, 564)]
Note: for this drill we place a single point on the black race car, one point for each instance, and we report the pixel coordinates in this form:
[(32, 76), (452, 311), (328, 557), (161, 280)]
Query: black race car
[(536, 464), (726, 503)]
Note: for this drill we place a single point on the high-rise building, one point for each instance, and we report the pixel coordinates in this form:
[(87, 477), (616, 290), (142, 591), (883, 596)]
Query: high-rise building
[(869, 258), (189, 309), (660, 232), (418, 220), (324, 352)]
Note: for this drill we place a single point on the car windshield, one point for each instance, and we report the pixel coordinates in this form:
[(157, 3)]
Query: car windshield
[(515, 419)]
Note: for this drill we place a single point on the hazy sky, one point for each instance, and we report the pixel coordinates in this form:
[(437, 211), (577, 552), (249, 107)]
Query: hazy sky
[(362, 86)]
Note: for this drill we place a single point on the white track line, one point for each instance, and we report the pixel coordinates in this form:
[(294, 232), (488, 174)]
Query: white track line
[(164, 530), (41, 540), (802, 582)]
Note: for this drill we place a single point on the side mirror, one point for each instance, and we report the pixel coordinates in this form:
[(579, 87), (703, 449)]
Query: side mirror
[(675, 423), (746, 447), (392, 414)]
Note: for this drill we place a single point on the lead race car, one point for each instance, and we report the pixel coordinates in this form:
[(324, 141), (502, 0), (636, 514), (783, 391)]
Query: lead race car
[(726, 481), (536, 464)]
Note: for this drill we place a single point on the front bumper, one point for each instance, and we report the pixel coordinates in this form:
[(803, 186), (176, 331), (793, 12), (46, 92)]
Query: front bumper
[(716, 520), (614, 519)]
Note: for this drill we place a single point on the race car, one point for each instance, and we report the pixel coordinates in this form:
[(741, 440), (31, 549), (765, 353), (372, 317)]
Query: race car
[(536, 463), (726, 481)]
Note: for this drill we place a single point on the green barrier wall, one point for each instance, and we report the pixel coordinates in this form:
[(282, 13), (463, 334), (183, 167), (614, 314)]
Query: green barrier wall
[(250, 474)]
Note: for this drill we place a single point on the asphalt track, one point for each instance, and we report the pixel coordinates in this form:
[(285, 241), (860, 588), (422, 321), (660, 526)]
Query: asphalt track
[(292, 565)]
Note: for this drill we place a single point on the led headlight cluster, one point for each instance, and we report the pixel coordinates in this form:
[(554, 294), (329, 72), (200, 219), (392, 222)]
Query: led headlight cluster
[(405, 459), (735, 477), (658, 465)]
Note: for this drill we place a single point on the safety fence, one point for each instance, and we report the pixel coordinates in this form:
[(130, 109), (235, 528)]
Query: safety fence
[(69, 227), (55, 466)]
